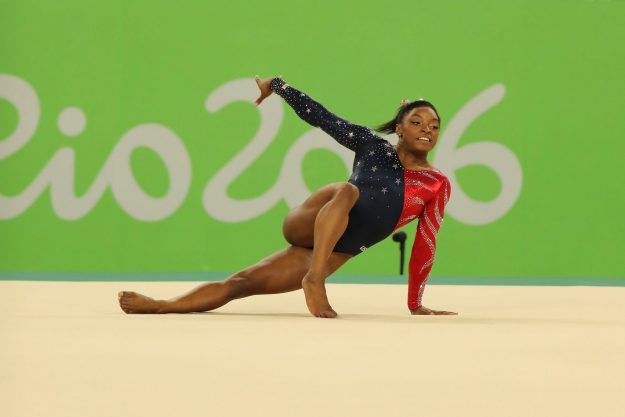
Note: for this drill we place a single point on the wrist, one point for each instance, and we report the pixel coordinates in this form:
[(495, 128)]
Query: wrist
[(275, 83)]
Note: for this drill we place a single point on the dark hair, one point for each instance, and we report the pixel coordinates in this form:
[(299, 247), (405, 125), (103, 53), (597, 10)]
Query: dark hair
[(389, 127)]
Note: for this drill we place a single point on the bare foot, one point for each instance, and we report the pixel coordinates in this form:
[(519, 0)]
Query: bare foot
[(135, 303), (316, 298)]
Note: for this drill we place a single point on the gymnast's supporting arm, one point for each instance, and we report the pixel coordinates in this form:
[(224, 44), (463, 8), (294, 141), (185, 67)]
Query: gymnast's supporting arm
[(424, 251)]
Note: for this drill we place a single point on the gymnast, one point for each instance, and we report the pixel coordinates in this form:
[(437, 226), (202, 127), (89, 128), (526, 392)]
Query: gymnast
[(389, 187)]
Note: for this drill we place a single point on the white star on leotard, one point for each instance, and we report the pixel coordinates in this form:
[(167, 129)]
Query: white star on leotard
[(374, 169), (388, 154), (395, 166), (384, 190), (371, 153), (338, 122), (358, 163), (307, 110), (351, 134), (397, 181)]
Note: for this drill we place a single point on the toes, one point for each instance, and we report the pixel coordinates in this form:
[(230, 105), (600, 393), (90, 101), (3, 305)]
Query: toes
[(126, 294)]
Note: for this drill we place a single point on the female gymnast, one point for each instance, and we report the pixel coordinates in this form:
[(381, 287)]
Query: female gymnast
[(389, 187)]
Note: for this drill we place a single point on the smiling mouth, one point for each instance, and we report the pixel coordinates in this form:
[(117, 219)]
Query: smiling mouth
[(423, 138)]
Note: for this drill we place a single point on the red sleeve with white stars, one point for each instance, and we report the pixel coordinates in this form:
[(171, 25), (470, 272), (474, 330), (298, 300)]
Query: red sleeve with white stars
[(424, 247), (350, 135)]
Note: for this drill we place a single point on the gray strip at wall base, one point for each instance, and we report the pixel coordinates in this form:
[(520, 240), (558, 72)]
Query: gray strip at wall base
[(337, 279)]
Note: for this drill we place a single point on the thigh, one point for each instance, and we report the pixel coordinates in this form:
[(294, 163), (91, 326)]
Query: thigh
[(299, 225), (283, 271)]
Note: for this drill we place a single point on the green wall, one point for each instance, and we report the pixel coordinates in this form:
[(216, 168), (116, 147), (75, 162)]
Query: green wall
[(129, 141)]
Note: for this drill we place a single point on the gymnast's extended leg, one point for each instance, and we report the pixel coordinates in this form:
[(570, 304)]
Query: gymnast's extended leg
[(278, 273)]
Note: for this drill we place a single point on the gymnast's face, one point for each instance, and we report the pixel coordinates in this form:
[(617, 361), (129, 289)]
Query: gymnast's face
[(419, 129)]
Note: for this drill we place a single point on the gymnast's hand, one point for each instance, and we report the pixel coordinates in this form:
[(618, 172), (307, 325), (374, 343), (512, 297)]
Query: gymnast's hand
[(426, 311), (265, 91)]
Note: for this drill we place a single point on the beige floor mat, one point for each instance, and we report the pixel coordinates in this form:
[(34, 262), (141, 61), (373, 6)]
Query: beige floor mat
[(68, 350)]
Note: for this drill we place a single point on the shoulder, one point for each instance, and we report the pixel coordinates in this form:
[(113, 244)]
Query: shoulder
[(436, 173), (440, 174), (445, 184), (444, 178), (446, 188)]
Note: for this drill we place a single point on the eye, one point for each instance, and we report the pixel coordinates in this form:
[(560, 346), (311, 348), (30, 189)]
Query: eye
[(434, 127), (416, 122)]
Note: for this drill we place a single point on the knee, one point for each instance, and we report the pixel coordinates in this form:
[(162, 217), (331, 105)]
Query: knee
[(348, 191)]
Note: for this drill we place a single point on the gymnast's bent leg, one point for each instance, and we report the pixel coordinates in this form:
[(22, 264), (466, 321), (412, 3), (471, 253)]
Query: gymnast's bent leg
[(281, 272), (319, 223)]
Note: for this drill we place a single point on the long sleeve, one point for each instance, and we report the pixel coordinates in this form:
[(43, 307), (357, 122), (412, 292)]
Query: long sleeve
[(347, 134), (424, 247)]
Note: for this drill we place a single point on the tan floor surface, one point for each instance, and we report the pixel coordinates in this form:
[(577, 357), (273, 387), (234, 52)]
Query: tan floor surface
[(68, 350)]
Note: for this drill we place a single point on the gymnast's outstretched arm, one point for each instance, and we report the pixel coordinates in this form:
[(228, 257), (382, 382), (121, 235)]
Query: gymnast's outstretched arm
[(350, 135)]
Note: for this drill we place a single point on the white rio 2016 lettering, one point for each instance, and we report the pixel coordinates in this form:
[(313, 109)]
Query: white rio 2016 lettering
[(490, 154), (116, 172)]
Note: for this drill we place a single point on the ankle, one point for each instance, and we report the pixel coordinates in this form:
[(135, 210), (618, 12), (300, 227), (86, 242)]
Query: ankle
[(163, 306), (314, 278)]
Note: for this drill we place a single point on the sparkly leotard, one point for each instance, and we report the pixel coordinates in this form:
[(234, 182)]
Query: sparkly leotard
[(390, 195)]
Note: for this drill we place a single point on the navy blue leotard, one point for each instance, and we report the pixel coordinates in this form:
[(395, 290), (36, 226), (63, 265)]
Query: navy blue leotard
[(390, 195)]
